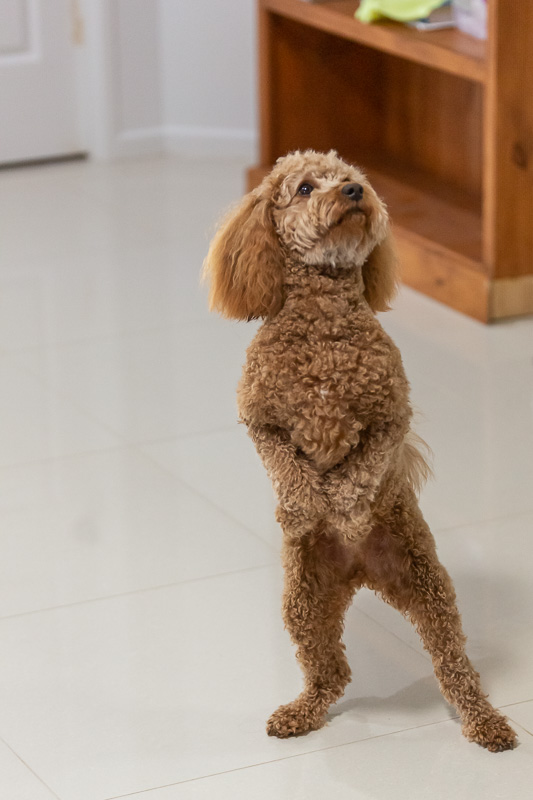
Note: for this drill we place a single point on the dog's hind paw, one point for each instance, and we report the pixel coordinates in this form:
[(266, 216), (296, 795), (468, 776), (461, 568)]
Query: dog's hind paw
[(293, 719), (493, 732)]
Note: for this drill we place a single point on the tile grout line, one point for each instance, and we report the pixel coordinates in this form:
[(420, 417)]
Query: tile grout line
[(19, 758), (41, 380), (6, 352), (36, 462), (518, 724), (123, 442), (66, 343), (427, 658), (133, 592), (179, 437), (278, 760), (484, 521), (299, 755), (120, 445), (512, 705), (67, 397), (203, 497), (519, 703)]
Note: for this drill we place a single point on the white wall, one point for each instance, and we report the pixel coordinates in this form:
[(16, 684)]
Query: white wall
[(208, 73), (138, 64), (119, 77), (170, 75)]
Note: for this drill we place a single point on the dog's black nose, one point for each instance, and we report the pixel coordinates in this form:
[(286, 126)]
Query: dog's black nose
[(353, 190)]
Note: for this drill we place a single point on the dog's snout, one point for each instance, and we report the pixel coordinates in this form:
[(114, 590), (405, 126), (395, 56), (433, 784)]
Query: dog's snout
[(353, 190)]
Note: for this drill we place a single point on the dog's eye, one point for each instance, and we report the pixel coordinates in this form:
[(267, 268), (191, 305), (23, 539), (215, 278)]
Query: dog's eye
[(305, 188)]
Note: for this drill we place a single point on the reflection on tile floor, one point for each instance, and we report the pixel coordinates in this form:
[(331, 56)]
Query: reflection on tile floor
[(140, 634)]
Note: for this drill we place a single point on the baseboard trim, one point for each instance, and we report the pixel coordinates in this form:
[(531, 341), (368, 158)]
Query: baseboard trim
[(511, 297), (190, 140), (187, 141), (138, 142)]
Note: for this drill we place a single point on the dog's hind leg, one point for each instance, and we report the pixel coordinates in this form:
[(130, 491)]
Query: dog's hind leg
[(401, 563), (318, 590)]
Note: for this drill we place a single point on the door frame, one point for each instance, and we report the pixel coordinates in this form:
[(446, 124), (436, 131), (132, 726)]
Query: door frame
[(99, 80)]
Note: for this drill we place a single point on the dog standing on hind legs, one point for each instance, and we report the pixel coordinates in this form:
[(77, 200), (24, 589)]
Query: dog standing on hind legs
[(326, 403)]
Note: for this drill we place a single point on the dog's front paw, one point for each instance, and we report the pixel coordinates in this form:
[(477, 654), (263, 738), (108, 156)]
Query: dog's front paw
[(293, 719), (492, 732), (304, 500), (345, 495), (298, 519)]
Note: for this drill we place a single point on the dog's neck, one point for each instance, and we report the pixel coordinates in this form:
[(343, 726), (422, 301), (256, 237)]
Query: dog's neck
[(304, 281)]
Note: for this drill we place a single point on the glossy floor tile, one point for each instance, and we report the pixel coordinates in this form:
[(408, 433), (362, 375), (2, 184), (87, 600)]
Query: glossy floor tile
[(141, 640), (105, 524), (144, 387), (203, 462), (522, 713), (18, 781), (490, 564), (427, 762), (89, 296), (172, 684), (37, 423)]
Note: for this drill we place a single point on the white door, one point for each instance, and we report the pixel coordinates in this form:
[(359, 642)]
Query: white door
[(38, 100)]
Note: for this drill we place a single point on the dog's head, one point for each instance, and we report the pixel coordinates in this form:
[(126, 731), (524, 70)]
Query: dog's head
[(314, 208)]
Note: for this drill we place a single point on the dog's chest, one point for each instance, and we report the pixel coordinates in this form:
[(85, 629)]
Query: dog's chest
[(319, 366)]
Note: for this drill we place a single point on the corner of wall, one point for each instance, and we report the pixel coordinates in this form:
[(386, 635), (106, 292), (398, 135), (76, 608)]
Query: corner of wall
[(125, 109)]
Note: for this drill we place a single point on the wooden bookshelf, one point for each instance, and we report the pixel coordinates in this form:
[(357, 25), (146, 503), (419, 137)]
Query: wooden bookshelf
[(447, 50), (441, 122)]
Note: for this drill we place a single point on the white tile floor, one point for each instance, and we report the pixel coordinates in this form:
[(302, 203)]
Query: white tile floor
[(141, 644)]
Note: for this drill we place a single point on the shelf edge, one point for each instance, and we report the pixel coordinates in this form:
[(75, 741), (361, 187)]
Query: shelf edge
[(444, 275), (380, 36)]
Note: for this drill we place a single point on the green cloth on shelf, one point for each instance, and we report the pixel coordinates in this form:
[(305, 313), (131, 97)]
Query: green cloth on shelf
[(401, 10)]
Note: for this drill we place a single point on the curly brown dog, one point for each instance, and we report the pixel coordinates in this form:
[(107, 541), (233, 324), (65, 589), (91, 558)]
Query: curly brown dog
[(326, 402)]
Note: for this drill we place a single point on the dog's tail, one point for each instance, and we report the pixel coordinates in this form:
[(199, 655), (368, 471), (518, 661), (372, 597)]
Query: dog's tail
[(416, 457)]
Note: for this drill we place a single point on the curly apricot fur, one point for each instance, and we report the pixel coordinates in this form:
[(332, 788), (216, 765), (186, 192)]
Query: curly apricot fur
[(326, 402)]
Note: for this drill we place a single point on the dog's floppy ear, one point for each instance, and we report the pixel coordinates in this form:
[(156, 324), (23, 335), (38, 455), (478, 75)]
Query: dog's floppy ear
[(244, 263), (380, 275)]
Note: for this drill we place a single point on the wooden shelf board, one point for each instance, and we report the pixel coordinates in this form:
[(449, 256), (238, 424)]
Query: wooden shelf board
[(443, 216), (446, 50), (442, 274), (439, 241)]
